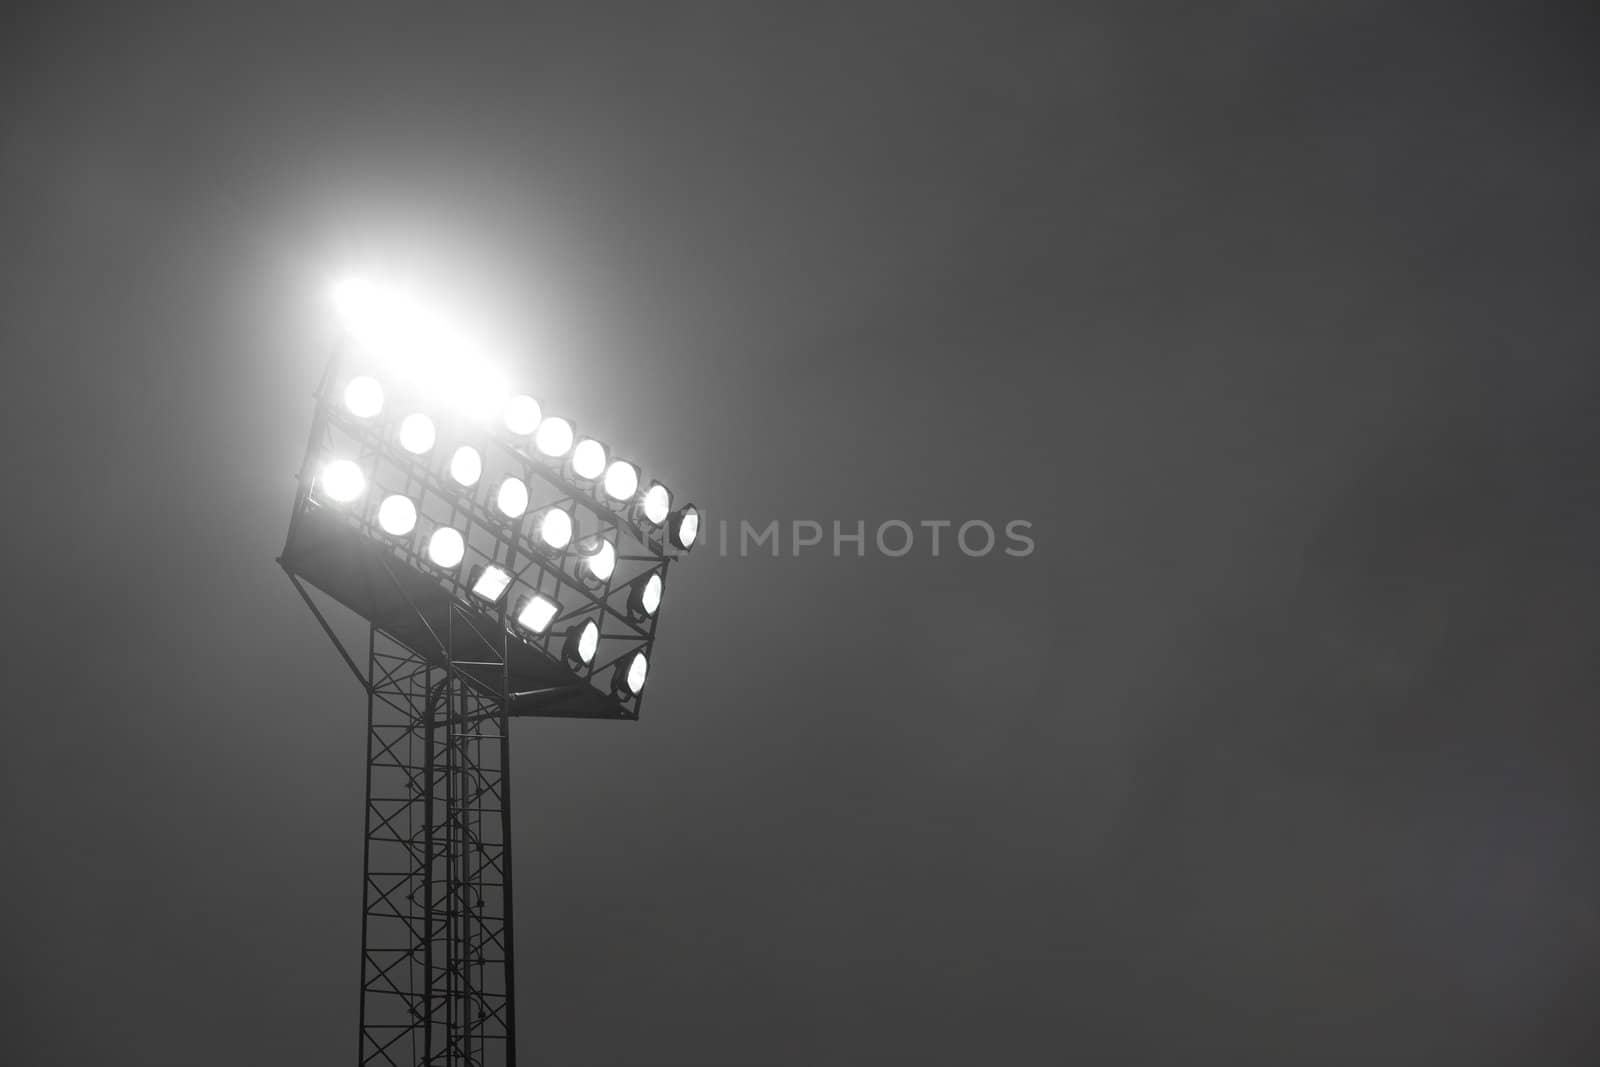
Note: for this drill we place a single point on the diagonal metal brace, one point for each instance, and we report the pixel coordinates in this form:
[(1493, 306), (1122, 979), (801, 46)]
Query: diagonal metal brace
[(322, 620)]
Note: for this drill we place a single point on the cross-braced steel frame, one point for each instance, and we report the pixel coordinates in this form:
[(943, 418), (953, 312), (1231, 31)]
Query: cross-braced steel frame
[(436, 954), (446, 670)]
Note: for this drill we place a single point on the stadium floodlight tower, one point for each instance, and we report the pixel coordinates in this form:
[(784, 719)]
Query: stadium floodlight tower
[(503, 565)]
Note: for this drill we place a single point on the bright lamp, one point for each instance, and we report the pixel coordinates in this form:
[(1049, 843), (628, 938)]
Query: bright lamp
[(600, 560), (536, 613), (343, 481), (582, 642), (446, 548), (363, 397), (657, 503), (397, 515), (630, 679), (645, 598), (555, 529), (684, 528), (554, 438), (622, 481), (512, 499), (491, 583), (589, 459), (522, 415), (417, 433), (466, 466)]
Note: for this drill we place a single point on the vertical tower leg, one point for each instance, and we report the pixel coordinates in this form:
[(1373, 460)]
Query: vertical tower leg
[(436, 936)]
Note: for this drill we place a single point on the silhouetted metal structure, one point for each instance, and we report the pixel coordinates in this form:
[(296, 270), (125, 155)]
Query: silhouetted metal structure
[(446, 670), (436, 953)]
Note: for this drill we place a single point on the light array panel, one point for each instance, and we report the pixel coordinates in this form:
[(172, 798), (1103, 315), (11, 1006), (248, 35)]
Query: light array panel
[(511, 510)]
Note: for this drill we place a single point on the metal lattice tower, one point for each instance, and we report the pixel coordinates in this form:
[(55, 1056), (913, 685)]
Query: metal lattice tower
[(436, 952), (545, 605)]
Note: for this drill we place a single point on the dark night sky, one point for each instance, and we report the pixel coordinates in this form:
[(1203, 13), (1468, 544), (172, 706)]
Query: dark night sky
[(1278, 323)]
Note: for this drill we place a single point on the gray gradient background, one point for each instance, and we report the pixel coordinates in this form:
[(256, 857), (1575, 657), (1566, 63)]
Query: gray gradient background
[(1277, 321)]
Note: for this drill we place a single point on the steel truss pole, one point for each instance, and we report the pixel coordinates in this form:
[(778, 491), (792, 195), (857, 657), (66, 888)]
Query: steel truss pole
[(436, 971)]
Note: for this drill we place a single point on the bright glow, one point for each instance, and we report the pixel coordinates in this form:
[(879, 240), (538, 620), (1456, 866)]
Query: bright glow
[(343, 481), (466, 466), (537, 613), (391, 325), (397, 515), (622, 480), (588, 641), (481, 393), (522, 415), (364, 397), (650, 598), (373, 315), (416, 433), (351, 299), (446, 547), (657, 503), (602, 561), (555, 529), (454, 368), (512, 500), (425, 347), (636, 672), (492, 583), (554, 438), (589, 459), (457, 373)]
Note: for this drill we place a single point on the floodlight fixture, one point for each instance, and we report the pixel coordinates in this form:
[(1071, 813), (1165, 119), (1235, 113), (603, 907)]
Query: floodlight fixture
[(554, 437), (582, 642), (589, 459), (466, 466), (657, 503), (417, 434), (629, 680), (446, 548), (644, 600), (599, 561), (522, 414), (490, 582), (363, 397), (536, 612), (622, 481), (512, 499), (555, 529), (397, 515), (342, 481), (684, 527)]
